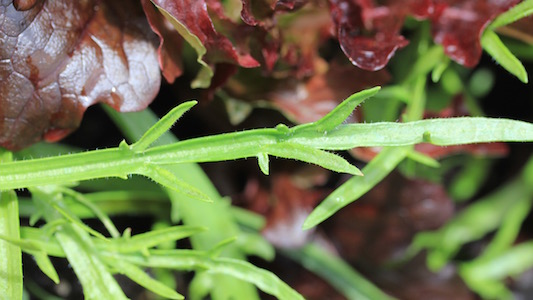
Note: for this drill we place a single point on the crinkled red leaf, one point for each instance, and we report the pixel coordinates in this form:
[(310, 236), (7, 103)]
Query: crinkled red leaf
[(170, 42), (368, 35), (458, 26), (59, 57), (194, 16)]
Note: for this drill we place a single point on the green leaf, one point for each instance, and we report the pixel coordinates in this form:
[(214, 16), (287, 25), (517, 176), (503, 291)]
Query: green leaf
[(46, 266), (140, 277), (10, 255), (502, 55), (517, 12), (193, 260), (485, 275), (216, 216), (203, 78), (96, 280), (336, 272), (263, 161), (80, 251), (340, 113), (471, 224), (149, 239), (311, 155), (375, 171), (169, 180), (162, 126)]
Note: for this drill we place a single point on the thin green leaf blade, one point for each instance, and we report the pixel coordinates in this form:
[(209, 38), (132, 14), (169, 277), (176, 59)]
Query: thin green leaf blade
[(140, 277), (149, 239), (169, 180), (375, 171), (501, 54), (96, 280), (10, 255), (340, 113), (46, 266), (336, 272), (162, 126), (517, 12), (311, 155)]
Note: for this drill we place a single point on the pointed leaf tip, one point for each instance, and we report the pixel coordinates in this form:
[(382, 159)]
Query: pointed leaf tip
[(344, 110), (162, 126)]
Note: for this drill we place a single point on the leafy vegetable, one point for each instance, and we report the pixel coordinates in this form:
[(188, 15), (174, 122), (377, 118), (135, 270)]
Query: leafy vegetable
[(78, 59)]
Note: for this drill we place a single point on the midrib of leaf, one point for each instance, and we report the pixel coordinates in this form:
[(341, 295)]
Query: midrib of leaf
[(10, 255), (116, 162)]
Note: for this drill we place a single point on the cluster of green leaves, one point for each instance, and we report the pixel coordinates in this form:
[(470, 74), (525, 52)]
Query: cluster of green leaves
[(222, 236)]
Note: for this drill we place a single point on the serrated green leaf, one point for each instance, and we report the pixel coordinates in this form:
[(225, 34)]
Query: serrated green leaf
[(162, 126), (375, 171), (502, 55), (517, 12)]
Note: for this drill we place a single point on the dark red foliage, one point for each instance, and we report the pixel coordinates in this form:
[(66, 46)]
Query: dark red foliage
[(170, 42), (194, 16), (59, 57), (368, 35), (458, 25)]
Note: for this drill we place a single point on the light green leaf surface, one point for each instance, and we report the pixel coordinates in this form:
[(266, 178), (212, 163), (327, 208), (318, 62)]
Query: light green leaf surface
[(10, 255), (375, 171), (194, 260), (517, 12), (76, 243), (140, 277), (113, 161), (162, 126), (216, 216), (502, 55)]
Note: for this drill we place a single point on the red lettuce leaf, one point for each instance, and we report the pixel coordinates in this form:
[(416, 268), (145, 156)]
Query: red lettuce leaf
[(458, 25), (193, 15), (170, 43), (368, 35), (59, 57)]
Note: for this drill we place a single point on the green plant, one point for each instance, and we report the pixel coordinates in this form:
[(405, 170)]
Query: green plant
[(141, 175)]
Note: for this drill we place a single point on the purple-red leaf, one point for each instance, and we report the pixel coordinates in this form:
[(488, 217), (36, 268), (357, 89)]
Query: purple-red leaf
[(368, 35), (170, 43), (59, 57), (457, 25)]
